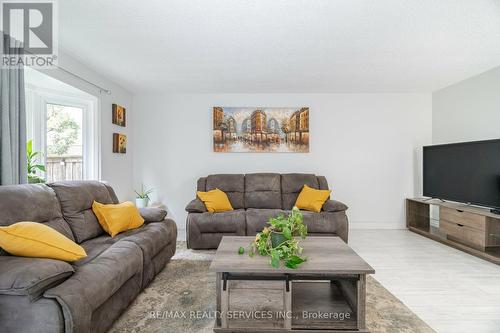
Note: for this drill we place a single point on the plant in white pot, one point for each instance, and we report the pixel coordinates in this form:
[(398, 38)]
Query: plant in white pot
[(142, 198)]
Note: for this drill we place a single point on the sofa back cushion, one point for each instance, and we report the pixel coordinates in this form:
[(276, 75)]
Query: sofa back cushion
[(201, 184), (32, 202), (322, 182), (76, 198), (263, 190), (232, 184), (292, 184)]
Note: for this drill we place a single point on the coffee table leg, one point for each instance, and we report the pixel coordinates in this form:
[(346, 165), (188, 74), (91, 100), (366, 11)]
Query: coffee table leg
[(218, 282), (224, 299), (287, 304), (361, 313), (221, 300)]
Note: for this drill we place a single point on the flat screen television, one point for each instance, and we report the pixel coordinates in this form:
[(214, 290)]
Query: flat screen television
[(466, 172)]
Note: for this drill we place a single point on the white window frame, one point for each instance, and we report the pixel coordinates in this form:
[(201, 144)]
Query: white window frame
[(36, 108)]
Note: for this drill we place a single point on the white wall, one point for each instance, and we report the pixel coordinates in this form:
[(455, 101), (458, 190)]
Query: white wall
[(115, 168), (468, 110), (363, 143)]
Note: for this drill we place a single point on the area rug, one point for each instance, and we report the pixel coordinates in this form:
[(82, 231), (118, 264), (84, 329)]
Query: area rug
[(181, 299)]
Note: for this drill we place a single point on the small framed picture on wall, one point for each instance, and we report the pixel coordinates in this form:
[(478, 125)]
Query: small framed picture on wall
[(119, 143), (119, 115)]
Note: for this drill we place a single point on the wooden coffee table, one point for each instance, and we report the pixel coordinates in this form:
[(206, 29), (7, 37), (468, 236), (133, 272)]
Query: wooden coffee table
[(325, 294)]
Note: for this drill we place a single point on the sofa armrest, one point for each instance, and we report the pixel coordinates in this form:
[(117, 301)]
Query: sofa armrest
[(196, 206), (31, 276), (334, 206), (152, 214)]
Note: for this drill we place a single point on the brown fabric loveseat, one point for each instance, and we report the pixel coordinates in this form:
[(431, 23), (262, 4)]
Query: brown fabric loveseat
[(255, 198)]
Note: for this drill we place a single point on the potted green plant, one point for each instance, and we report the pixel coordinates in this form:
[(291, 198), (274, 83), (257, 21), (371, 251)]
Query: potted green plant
[(279, 240), (142, 198), (33, 165)]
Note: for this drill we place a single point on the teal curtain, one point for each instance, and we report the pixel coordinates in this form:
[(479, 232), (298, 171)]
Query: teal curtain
[(13, 161)]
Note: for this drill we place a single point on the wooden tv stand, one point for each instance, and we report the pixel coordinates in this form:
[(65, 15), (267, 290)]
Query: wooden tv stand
[(471, 229)]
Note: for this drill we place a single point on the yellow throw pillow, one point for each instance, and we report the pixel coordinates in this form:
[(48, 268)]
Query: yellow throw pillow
[(312, 199), (36, 240), (216, 201), (116, 218)]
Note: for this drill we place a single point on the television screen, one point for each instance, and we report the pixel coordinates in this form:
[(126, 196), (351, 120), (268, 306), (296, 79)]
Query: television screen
[(465, 172)]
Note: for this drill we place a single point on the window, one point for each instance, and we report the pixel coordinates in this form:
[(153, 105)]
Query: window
[(63, 125), (64, 143)]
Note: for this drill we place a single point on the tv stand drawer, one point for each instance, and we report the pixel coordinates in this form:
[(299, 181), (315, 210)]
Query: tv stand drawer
[(468, 219), (463, 233)]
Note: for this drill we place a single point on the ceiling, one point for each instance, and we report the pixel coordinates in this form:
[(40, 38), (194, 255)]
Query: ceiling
[(286, 46)]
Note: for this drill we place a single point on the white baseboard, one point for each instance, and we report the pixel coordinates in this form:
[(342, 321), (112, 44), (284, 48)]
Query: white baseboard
[(376, 225), (181, 234)]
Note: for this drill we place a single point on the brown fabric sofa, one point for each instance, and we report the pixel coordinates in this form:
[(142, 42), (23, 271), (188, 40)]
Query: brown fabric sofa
[(255, 198), (45, 295)]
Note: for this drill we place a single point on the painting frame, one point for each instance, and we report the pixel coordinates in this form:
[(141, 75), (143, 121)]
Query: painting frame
[(119, 115), (119, 143), (260, 129)]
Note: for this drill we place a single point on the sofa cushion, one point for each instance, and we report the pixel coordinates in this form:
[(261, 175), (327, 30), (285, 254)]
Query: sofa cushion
[(32, 202), (112, 194), (232, 184), (263, 190), (334, 206), (22, 314), (317, 223), (323, 222), (76, 198), (36, 240), (117, 218), (95, 282), (208, 241), (230, 222), (31, 276), (151, 238), (312, 199), (322, 182), (201, 184), (292, 184), (216, 201), (152, 214), (257, 219), (104, 275), (196, 206), (94, 247)]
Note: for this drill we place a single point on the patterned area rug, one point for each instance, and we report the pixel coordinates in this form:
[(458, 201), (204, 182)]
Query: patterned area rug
[(182, 300)]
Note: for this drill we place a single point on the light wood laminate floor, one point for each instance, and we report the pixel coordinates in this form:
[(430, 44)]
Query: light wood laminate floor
[(450, 290)]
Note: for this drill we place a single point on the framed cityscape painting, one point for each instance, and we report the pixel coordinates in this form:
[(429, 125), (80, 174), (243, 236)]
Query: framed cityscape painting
[(261, 130)]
